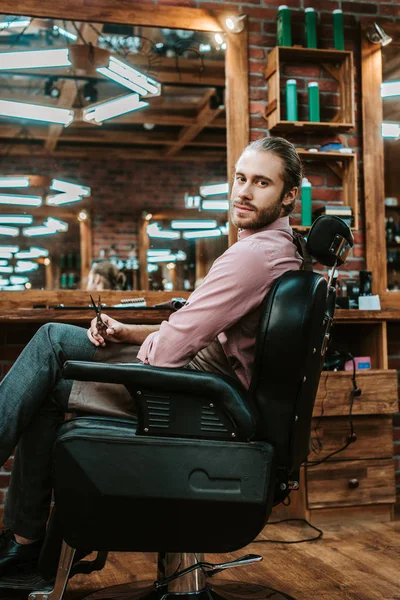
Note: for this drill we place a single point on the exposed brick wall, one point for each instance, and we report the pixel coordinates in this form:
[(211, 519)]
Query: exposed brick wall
[(262, 15)]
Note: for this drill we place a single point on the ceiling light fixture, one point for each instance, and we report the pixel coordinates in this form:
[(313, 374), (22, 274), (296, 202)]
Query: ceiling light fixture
[(130, 78), (8, 250), (377, 35), (215, 205), (192, 235), (390, 88), (16, 219), (24, 266), (192, 201), (235, 23), (113, 108), (18, 280), (20, 200), (205, 224), (34, 59), (72, 188), (155, 231), (214, 190), (12, 231), (390, 130), (6, 270), (219, 38), (33, 252), (36, 112), (14, 182), (65, 33), (14, 24)]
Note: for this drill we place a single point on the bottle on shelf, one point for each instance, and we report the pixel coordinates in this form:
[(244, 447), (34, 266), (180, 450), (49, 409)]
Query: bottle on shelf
[(338, 29), (306, 202), (390, 230), (310, 27), (63, 281), (291, 100), (283, 26), (313, 101)]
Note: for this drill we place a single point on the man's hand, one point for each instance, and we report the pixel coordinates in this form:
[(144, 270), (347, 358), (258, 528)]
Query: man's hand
[(114, 332)]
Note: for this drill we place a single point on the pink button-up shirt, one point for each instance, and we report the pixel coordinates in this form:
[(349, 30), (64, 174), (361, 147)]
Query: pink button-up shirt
[(227, 304)]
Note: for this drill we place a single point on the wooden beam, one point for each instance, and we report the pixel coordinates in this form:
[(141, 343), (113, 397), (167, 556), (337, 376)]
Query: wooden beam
[(69, 89), (91, 153), (118, 11), (204, 119), (374, 179)]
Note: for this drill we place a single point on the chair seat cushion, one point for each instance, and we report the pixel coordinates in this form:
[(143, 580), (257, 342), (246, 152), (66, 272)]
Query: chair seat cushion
[(118, 491)]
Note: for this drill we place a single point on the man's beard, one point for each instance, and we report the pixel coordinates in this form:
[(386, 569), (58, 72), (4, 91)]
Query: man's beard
[(259, 217)]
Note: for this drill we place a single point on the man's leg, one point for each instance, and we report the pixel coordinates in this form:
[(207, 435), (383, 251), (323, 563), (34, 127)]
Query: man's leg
[(33, 400)]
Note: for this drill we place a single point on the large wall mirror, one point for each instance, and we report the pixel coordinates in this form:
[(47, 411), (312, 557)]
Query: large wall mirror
[(381, 140), (117, 141)]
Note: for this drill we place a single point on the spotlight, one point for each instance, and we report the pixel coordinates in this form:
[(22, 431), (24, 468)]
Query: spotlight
[(377, 35), (82, 216), (148, 126), (235, 24), (90, 92), (50, 89)]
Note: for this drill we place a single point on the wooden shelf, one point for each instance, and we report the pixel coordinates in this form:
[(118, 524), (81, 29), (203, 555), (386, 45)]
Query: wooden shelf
[(338, 63)]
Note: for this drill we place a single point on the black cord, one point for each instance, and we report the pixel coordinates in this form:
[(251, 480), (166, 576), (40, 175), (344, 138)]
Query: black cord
[(317, 537), (355, 392)]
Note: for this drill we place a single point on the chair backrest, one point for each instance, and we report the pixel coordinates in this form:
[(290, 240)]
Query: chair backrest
[(295, 320)]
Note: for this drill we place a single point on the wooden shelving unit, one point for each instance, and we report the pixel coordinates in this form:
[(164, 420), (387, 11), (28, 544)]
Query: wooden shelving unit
[(345, 167), (338, 63)]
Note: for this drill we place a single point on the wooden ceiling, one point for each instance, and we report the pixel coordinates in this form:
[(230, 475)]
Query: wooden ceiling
[(186, 122)]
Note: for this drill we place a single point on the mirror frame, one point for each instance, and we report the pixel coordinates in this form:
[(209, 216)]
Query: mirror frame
[(173, 17), (373, 163)]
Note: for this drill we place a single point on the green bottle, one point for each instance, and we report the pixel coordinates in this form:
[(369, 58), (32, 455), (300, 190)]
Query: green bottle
[(291, 100), (306, 202), (313, 101), (283, 26), (63, 281), (311, 28), (338, 30), (71, 280)]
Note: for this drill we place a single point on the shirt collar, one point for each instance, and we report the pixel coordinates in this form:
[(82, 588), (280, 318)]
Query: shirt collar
[(281, 223)]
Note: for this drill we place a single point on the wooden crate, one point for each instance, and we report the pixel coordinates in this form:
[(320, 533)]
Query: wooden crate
[(338, 63)]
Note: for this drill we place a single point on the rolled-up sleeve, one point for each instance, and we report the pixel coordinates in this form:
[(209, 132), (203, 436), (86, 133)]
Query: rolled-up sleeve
[(235, 285)]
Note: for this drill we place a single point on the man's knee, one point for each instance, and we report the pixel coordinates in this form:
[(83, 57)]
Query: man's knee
[(55, 332)]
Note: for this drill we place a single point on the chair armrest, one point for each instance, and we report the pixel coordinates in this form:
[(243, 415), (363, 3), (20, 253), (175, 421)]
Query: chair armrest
[(224, 392)]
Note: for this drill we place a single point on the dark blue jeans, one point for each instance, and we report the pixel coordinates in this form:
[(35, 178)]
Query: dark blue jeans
[(33, 401)]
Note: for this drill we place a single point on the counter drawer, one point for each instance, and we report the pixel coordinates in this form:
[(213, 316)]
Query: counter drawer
[(379, 393), (349, 483), (374, 438)]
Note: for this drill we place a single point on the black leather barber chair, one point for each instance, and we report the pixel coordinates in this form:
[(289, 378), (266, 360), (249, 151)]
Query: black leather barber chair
[(206, 461)]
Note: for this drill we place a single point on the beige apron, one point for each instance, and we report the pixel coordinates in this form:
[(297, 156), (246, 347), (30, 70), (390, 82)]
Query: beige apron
[(113, 399)]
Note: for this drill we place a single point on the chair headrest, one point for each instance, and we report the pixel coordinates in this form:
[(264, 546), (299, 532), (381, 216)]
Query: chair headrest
[(329, 240)]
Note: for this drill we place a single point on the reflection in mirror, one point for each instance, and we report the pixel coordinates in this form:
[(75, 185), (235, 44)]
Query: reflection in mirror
[(131, 121), (390, 92)]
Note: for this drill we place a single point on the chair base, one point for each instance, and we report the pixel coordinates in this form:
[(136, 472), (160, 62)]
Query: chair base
[(215, 590)]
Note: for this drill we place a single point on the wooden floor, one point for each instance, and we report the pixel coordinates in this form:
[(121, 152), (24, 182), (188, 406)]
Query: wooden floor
[(350, 563)]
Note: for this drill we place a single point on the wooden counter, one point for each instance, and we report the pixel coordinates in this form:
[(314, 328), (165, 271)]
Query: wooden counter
[(83, 316)]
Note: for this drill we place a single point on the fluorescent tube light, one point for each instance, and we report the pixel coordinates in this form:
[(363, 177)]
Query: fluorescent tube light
[(13, 288), (130, 77), (192, 201), (192, 235), (14, 182), (390, 88), (14, 24), (33, 252), (152, 268), (20, 200), (154, 231), (390, 130), (63, 198), (214, 190), (3, 263), (6, 270), (9, 249), (56, 224), (18, 280), (113, 108), (4, 282), (204, 224), (69, 188), (161, 258), (36, 112), (65, 33), (4, 254), (16, 219), (13, 231), (158, 252), (24, 266), (49, 227), (215, 205), (33, 59)]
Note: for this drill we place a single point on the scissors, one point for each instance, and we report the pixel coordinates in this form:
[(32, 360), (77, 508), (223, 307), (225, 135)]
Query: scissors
[(101, 326)]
